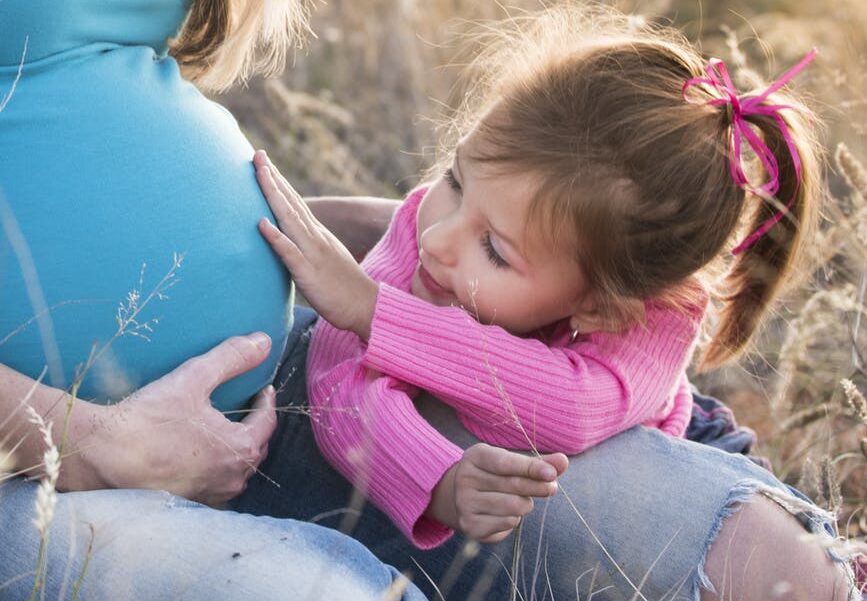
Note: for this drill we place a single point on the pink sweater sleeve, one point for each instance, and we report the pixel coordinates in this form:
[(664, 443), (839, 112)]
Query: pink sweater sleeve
[(519, 392), (367, 427), (365, 422), (677, 421)]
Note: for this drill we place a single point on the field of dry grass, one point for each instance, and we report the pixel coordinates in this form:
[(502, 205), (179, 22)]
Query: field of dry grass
[(357, 114)]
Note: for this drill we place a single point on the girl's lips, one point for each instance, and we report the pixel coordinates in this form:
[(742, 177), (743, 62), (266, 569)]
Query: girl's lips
[(431, 284)]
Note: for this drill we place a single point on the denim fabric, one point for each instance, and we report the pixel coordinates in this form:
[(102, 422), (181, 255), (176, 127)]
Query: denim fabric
[(137, 545), (636, 512), (713, 423)]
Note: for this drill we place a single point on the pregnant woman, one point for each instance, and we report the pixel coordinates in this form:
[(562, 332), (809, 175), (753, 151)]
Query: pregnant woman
[(115, 260)]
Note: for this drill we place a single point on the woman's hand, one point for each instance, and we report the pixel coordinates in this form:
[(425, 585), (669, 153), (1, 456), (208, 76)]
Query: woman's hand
[(489, 490), (323, 269), (167, 435)]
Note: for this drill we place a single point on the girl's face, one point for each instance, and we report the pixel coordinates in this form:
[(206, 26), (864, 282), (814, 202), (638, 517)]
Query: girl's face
[(476, 252)]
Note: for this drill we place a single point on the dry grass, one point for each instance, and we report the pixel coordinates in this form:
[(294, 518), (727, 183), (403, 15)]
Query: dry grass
[(357, 115), (7, 463)]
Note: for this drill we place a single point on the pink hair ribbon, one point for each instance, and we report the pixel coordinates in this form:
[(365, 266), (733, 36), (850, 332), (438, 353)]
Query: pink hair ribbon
[(717, 77)]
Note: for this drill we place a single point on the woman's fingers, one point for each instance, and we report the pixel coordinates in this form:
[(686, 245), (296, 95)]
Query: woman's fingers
[(262, 420), (201, 454), (232, 357)]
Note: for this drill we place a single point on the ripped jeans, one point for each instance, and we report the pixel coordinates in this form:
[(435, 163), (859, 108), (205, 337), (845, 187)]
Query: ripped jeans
[(637, 512)]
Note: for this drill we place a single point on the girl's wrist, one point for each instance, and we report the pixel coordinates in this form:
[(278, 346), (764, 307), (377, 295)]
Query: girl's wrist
[(442, 506), (366, 308)]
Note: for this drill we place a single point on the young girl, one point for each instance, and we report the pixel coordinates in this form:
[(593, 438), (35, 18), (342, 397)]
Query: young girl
[(550, 284)]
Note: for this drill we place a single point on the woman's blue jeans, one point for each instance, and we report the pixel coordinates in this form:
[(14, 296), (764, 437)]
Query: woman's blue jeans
[(636, 513)]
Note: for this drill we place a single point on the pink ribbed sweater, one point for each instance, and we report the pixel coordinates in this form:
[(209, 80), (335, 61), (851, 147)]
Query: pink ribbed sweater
[(512, 392)]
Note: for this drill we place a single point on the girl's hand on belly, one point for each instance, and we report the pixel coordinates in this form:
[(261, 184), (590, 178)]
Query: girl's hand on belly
[(167, 436), (322, 267)]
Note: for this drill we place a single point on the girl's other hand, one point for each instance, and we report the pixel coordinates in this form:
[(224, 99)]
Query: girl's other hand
[(323, 269), (490, 489), (167, 436)]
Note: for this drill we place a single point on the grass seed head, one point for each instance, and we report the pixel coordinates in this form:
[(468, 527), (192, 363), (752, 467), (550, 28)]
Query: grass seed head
[(856, 400)]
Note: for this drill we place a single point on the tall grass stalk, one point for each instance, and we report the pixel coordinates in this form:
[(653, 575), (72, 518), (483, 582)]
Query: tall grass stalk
[(46, 495), (7, 463)]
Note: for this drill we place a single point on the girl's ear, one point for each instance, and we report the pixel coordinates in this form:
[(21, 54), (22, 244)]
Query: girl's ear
[(587, 317)]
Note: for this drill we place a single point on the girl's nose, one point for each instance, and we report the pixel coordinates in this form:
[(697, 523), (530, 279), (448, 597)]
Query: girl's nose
[(440, 241)]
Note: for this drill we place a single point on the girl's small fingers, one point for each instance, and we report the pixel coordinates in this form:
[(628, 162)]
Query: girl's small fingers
[(287, 192), (260, 158), (273, 195), (283, 183), (498, 504), (299, 210), (488, 529), (293, 223), (558, 461), (291, 194), (497, 537), (515, 485), (269, 186), (499, 461), (287, 250)]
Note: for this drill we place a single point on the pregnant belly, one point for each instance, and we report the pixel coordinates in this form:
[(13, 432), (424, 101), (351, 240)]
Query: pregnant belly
[(137, 206)]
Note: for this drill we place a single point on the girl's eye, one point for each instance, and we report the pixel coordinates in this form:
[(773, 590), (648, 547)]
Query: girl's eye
[(449, 176), (493, 255)]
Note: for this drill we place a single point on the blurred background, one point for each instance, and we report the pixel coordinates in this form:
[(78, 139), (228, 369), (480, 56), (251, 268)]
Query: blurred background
[(357, 114)]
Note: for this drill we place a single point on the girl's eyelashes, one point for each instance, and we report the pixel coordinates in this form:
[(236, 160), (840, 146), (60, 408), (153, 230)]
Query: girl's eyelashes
[(453, 183), (495, 258)]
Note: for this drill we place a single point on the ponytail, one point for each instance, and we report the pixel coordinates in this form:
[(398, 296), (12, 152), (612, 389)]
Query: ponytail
[(766, 264)]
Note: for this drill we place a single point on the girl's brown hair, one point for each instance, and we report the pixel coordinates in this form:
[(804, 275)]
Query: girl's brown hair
[(223, 41), (590, 103)]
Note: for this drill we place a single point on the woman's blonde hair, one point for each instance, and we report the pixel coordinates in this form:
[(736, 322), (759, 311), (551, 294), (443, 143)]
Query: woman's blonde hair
[(590, 102), (225, 41)]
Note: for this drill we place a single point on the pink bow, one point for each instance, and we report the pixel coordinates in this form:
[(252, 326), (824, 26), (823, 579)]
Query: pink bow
[(717, 76)]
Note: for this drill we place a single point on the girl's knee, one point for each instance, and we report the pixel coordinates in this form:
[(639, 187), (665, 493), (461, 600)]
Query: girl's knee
[(761, 553)]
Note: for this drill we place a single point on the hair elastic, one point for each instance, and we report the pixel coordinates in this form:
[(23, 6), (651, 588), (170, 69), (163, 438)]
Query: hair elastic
[(717, 77)]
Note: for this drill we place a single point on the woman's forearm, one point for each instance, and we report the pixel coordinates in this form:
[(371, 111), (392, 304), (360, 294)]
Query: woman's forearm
[(19, 435), (357, 221)]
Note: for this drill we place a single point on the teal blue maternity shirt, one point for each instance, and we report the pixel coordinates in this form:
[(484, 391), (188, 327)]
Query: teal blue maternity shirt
[(111, 163)]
